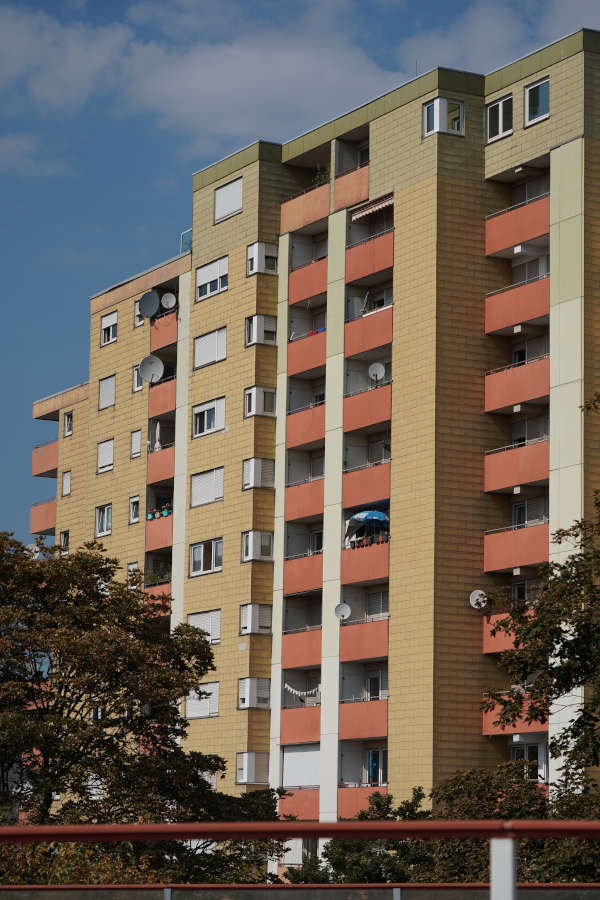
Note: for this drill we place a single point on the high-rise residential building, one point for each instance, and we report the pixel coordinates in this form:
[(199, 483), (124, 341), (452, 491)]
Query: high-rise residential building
[(367, 408)]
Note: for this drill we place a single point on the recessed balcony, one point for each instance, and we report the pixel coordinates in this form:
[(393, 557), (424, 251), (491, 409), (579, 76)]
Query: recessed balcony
[(304, 500), (302, 648), (351, 187), (498, 642), (510, 466), (308, 280), (44, 460), (517, 383), (303, 573), (363, 719), (515, 547), (163, 331), (161, 465), (517, 225), (307, 352), (162, 397), (374, 329), (520, 726), (159, 533), (364, 640), (300, 726), (369, 256), (42, 517), (516, 304), (309, 207), (352, 800), (366, 484), (361, 564), (300, 802), (305, 427), (368, 408)]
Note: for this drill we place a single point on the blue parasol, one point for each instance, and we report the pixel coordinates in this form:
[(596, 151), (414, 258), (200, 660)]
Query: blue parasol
[(372, 517)]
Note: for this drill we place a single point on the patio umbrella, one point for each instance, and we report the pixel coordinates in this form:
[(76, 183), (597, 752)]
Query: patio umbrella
[(367, 517), (157, 444)]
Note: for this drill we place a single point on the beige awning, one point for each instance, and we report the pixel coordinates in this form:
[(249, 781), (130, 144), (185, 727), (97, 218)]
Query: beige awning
[(372, 207)]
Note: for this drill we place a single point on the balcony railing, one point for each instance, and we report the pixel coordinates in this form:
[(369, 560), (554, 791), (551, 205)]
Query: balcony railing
[(531, 523), (304, 555), (363, 620), (517, 284), (298, 337), (44, 444), (517, 365), (371, 237), (383, 695), (352, 169), (41, 502), (370, 387), (312, 404), (515, 446), (370, 463), (308, 262), (501, 212), (302, 629), (307, 480), (368, 312)]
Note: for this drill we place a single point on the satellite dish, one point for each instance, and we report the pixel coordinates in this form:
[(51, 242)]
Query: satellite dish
[(168, 301), (151, 369), (149, 303), (478, 599), (33, 550), (376, 371), (342, 611)]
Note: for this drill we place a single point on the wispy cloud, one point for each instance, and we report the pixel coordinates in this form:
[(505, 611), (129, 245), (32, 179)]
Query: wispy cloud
[(24, 154)]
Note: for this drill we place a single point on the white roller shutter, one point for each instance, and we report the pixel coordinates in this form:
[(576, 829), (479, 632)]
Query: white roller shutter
[(207, 487), (264, 617), (210, 348), (110, 319), (106, 395), (228, 199), (105, 454), (210, 622), (220, 413), (267, 473), (202, 708), (301, 765), (208, 272), (136, 443)]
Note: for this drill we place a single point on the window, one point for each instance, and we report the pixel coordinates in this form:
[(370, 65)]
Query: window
[(252, 768), (95, 786), (66, 483), (106, 392), (537, 101), (134, 509), (207, 487), (132, 568), (106, 455), (108, 329), (301, 765), (499, 118), (254, 693), (202, 707), (258, 473), (262, 258), (206, 556), (210, 348), (68, 424), (138, 384), (376, 766), (64, 541), (443, 115), (103, 519), (212, 279), (533, 757), (257, 545), (259, 401), (208, 417), (255, 618), (138, 318), (378, 604), (136, 443), (261, 330), (210, 622), (228, 200)]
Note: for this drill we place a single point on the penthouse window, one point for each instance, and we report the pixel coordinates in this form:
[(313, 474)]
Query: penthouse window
[(443, 115), (537, 101), (228, 200), (212, 278), (68, 424), (499, 118)]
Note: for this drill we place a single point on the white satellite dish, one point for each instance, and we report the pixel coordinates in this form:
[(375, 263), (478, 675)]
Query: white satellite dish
[(342, 611), (376, 371), (33, 550), (168, 301), (149, 303), (478, 599), (151, 369)]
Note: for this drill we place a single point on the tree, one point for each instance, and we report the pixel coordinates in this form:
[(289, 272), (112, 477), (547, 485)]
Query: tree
[(90, 724)]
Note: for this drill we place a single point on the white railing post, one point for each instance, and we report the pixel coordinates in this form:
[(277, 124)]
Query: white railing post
[(503, 869)]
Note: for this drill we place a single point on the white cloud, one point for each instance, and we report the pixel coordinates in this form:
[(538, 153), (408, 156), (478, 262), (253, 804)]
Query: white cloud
[(25, 154)]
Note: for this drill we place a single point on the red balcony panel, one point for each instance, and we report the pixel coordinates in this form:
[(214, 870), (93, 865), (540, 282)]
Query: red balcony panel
[(301, 649), (44, 460), (368, 408), (157, 590), (306, 426), (161, 465), (303, 574), (365, 563), (518, 225), (351, 800), (163, 331), (301, 726), (499, 642), (517, 384), (519, 465), (366, 485), (518, 304), (304, 804), (312, 206), (308, 281), (42, 517), (520, 727), (351, 188), (161, 398), (159, 533), (302, 500), (367, 719), (365, 640), (372, 330), (370, 256), (505, 550), (307, 353)]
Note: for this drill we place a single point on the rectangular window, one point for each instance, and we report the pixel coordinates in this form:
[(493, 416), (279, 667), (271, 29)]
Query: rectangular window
[(537, 101), (301, 765), (68, 424), (136, 443), (262, 258), (106, 392), (208, 417), (212, 278), (255, 618), (228, 200), (252, 768), (138, 318), (103, 520), (207, 487), (134, 509), (254, 693), (257, 545), (210, 622), (106, 455), (108, 329), (261, 330), (206, 556), (64, 541), (138, 384), (258, 473), (259, 401), (132, 567), (66, 483), (203, 707), (443, 115), (210, 348), (499, 118)]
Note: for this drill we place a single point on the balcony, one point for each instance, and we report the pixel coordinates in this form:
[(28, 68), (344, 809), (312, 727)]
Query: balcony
[(161, 398), (157, 590), (161, 465), (351, 187), (163, 331), (301, 725), (364, 564), (370, 256), (302, 648), (365, 640), (42, 517), (519, 383), (370, 331), (306, 353), (368, 408), (366, 484), (499, 642), (159, 533), (517, 225), (528, 302), (363, 719), (512, 548), (351, 800), (300, 802), (44, 460), (308, 281), (303, 573), (311, 206), (305, 427), (510, 466), (520, 726), (304, 500)]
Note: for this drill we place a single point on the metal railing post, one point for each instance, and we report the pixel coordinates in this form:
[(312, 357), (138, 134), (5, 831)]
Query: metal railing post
[(503, 869)]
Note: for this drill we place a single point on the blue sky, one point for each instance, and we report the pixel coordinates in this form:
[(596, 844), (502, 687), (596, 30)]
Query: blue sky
[(107, 108)]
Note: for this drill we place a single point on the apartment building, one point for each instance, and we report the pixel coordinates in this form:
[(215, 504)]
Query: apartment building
[(369, 408)]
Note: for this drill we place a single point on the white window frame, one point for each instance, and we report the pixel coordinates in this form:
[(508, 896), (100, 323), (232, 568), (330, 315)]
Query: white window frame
[(64, 541), (68, 423), (212, 354), (138, 318), (256, 618), (503, 132), (257, 256), (253, 545), (133, 519), (102, 381), (254, 693), (214, 568), (209, 622), (134, 453), (257, 328), (258, 473), (248, 764), (106, 467), (138, 381), (254, 401), (214, 482), (440, 116), (527, 121), (103, 519), (232, 210), (213, 276), (205, 407), (207, 707), (66, 483), (108, 328)]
